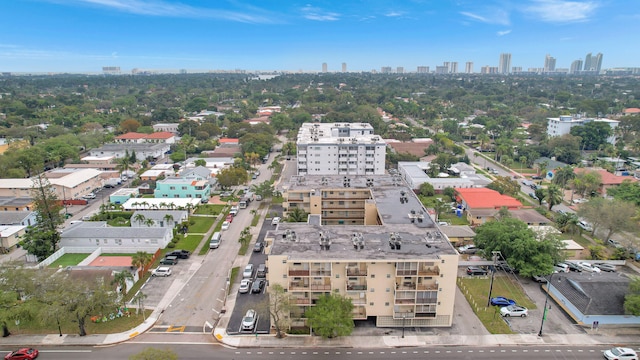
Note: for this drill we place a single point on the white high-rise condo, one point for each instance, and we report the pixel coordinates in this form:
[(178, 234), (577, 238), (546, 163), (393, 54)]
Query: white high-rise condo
[(340, 149), (505, 63)]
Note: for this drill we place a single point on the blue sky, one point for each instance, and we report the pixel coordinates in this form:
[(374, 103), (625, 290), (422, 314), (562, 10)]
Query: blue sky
[(84, 35)]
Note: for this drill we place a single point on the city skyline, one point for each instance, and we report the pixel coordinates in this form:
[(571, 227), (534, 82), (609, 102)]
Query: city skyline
[(85, 35)]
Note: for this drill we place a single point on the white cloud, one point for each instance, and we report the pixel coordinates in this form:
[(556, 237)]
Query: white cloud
[(314, 13), (489, 16), (394, 14), (162, 8), (504, 32), (560, 11)]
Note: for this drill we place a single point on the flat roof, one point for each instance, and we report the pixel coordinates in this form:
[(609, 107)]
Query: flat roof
[(415, 242), (321, 133), (76, 177)]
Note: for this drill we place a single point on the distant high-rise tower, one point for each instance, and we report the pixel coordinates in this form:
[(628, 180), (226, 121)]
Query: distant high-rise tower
[(576, 67), (587, 62), (324, 67), (454, 67), (468, 68), (423, 69), (344, 67), (596, 62), (400, 70), (385, 69), (447, 65), (549, 63), (505, 63)]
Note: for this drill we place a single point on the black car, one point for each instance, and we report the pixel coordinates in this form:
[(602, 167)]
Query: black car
[(258, 246), (573, 266), (180, 254), (169, 260), (257, 286), (474, 270)]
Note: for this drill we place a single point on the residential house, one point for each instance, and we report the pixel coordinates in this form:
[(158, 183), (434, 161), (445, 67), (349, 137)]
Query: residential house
[(18, 218), (609, 180), (482, 204), (10, 236), (122, 195), (166, 127), (183, 187), (158, 218), (91, 235), (142, 151)]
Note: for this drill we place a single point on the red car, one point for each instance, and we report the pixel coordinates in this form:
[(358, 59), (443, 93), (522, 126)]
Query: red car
[(22, 354), (230, 218)]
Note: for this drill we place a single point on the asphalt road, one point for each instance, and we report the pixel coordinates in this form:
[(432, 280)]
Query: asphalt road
[(209, 351)]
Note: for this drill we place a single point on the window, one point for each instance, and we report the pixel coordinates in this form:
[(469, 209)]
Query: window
[(386, 304), (184, 188), (172, 187), (118, 241)]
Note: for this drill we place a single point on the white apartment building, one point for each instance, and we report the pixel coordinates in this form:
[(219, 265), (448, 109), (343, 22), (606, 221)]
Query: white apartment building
[(562, 125), (340, 149)]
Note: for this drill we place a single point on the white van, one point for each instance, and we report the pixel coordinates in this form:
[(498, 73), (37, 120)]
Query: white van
[(215, 241), (585, 225)]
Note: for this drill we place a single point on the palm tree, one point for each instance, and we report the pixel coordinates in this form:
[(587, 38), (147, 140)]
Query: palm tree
[(563, 176), (169, 219), (297, 215), (139, 298), (139, 218), (554, 195), (121, 278), (141, 259), (124, 164)]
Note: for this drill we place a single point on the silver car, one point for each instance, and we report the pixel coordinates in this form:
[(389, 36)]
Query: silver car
[(249, 320), (248, 271)]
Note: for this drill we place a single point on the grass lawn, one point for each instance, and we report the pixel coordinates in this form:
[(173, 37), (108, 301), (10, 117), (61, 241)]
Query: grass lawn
[(453, 219), (476, 290), (117, 325), (201, 225), (189, 243), (234, 274), (255, 220), (277, 200), (68, 260), (209, 209)]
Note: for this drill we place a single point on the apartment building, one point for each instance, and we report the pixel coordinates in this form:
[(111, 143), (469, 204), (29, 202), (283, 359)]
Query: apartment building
[(391, 260), (183, 187), (562, 125), (340, 149)]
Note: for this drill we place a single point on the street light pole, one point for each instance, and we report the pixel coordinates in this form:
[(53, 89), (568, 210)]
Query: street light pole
[(546, 300), (404, 316)]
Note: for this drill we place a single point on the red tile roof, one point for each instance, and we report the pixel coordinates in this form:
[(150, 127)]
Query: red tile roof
[(228, 141), (131, 136), (607, 177), (159, 135), (631, 111), (483, 198)]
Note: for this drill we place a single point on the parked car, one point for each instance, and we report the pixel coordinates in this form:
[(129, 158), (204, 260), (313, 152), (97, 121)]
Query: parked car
[(506, 268), (229, 218), (261, 272), (605, 267), (561, 267), (163, 271), (588, 267), (248, 271), (225, 225), (275, 220), (536, 177), (474, 270), (249, 320), (257, 286), (21, 354), (245, 285), (181, 254), (169, 260), (540, 279), (620, 353), (514, 310), (89, 196), (502, 301), (226, 194), (615, 244), (468, 249), (573, 266), (258, 246), (533, 196)]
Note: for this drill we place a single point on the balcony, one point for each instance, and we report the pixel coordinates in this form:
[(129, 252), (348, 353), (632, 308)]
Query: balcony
[(357, 285), (322, 285), (298, 272), (300, 301), (429, 271), (406, 285), (432, 285), (298, 285), (407, 272), (358, 298), (359, 312), (357, 270), (317, 272)]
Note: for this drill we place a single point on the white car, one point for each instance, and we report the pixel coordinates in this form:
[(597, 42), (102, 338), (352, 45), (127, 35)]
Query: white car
[(248, 271), (620, 353), (588, 267), (249, 320), (561, 267), (163, 271), (89, 196), (245, 285), (225, 225), (275, 220), (514, 310)]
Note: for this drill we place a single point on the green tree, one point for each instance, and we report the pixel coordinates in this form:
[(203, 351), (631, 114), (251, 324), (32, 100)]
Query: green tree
[(200, 162), (627, 191), (232, 176), (505, 185), (87, 298), (42, 239), (612, 216), (279, 309), (332, 316), (519, 246), (427, 189), (297, 215), (594, 134), (563, 176), (155, 354), (141, 259), (264, 189), (554, 195), (120, 278), (632, 298)]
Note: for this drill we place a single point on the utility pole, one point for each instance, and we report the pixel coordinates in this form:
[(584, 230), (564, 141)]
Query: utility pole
[(493, 273), (546, 300)]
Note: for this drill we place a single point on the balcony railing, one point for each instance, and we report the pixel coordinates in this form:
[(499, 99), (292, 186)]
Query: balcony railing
[(428, 286), (356, 272), (410, 272), (298, 272), (431, 270), (320, 287), (356, 287), (320, 273), (406, 286), (298, 285), (301, 301)]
